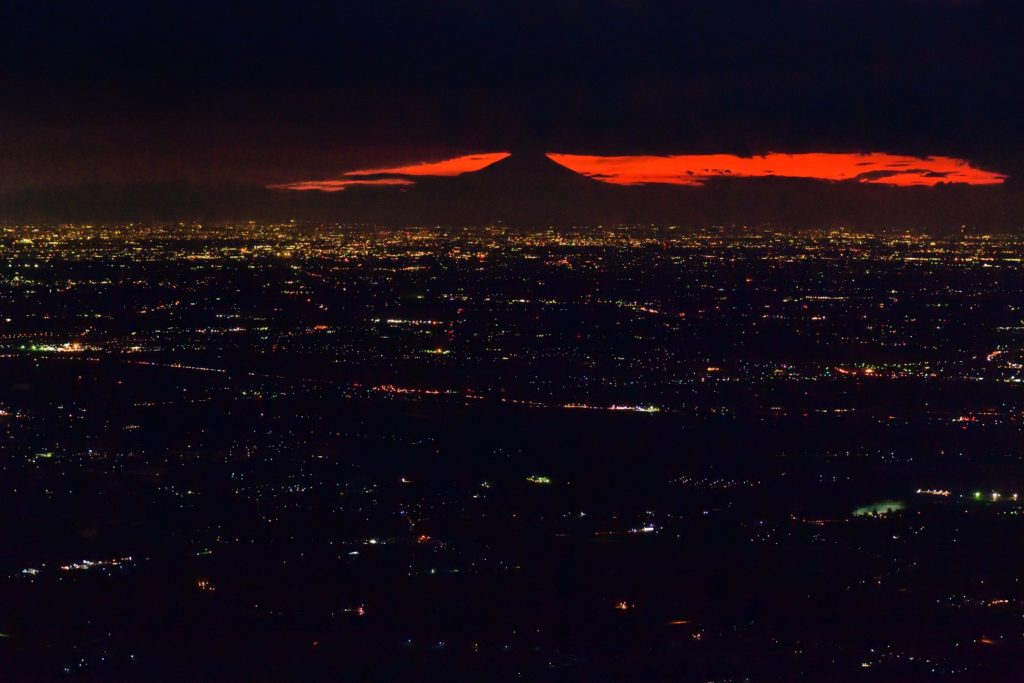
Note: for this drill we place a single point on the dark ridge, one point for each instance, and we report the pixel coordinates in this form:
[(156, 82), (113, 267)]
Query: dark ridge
[(530, 168)]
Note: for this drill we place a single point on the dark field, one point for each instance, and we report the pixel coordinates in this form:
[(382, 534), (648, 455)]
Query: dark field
[(341, 454)]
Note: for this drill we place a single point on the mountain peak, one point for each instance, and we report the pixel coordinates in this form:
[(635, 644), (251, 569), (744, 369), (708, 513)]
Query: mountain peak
[(530, 167)]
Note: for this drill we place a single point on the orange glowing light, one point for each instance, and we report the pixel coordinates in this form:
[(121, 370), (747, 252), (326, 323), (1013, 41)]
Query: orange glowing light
[(382, 176), (696, 169), (446, 167), (338, 185)]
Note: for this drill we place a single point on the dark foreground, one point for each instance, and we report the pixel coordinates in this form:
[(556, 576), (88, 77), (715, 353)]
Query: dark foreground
[(267, 454)]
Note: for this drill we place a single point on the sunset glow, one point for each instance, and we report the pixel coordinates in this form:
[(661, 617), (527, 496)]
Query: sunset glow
[(446, 167), (395, 175), (875, 168), (338, 185), (695, 169)]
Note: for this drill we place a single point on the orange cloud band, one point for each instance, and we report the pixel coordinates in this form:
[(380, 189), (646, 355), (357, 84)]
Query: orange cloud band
[(338, 185), (695, 169), (447, 167), (371, 176)]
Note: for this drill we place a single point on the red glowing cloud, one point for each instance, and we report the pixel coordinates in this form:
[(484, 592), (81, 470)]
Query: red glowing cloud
[(338, 185), (447, 167), (695, 169), (395, 175)]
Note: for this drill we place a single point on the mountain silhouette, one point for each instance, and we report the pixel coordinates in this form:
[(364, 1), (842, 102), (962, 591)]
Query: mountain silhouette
[(529, 168), (528, 189), (525, 187)]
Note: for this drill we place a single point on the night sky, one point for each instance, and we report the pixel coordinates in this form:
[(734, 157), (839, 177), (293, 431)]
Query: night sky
[(259, 93)]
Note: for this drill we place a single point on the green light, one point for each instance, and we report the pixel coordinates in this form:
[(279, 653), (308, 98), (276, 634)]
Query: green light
[(977, 494), (535, 479), (879, 509)]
